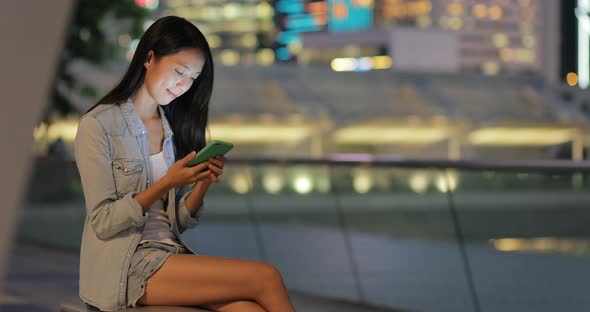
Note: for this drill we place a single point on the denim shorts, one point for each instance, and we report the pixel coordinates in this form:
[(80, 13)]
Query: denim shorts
[(147, 259)]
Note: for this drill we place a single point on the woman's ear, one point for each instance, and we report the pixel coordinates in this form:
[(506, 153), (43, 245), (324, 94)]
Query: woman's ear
[(149, 59)]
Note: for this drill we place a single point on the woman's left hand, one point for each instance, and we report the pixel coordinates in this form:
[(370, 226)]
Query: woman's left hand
[(216, 168)]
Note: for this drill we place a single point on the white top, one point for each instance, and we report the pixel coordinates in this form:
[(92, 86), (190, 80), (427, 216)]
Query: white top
[(157, 227)]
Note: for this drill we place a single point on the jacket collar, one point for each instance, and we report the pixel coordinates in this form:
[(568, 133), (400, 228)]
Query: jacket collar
[(135, 124)]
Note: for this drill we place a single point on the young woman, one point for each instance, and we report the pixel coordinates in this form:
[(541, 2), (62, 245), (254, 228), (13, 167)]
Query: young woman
[(132, 151)]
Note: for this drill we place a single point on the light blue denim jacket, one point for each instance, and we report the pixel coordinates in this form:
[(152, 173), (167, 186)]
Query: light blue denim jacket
[(112, 156)]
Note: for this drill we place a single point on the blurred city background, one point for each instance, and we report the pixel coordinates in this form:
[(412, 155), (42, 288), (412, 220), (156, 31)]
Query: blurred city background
[(395, 155), (441, 79)]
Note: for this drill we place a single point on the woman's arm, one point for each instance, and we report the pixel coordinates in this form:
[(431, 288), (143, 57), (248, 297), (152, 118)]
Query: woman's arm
[(108, 214), (150, 195), (178, 174), (190, 198), (194, 200)]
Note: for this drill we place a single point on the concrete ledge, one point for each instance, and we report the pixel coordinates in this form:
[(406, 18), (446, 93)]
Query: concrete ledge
[(79, 306)]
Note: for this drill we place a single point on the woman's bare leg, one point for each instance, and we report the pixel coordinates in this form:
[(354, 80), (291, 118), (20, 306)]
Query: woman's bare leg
[(236, 306), (195, 280)]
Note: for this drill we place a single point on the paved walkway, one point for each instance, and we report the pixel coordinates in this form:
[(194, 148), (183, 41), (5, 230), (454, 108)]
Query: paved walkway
[(40, 279)]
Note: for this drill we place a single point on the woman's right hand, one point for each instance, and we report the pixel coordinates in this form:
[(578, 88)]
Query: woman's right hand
[(180, 174)]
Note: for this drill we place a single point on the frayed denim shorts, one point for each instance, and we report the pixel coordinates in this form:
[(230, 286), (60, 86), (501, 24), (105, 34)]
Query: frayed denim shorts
[(147, 259)]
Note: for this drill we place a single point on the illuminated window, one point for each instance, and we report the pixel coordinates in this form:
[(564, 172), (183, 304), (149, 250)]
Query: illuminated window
[(231, 11), (479, 10), (264, 10), (490, 68), (500, 40), (455, 9), (343, 64), (265, 57), (294, 47), (318, 7), (362, 3), (495, 12), (455, 23), (340, 11), (506, 55), (249, 40), (382, 62)]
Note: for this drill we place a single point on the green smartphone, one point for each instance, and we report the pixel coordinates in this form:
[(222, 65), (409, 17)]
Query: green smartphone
[(213, 149)]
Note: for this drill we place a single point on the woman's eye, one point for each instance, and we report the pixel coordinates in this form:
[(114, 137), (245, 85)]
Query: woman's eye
[(178, 72)]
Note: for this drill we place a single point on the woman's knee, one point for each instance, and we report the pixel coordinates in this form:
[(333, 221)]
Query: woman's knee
[(272, 276)]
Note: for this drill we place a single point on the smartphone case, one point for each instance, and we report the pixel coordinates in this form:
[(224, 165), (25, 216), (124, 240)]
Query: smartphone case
[(214, 148)]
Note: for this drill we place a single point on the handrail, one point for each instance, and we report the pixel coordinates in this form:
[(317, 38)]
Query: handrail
[(525, 165), (445, 233), (465, 164)]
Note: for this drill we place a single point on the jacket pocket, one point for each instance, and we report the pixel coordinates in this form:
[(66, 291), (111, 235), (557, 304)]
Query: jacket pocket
[(127, 173)]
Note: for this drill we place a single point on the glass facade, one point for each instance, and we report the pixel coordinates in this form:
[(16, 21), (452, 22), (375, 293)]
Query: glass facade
[(239, 32)]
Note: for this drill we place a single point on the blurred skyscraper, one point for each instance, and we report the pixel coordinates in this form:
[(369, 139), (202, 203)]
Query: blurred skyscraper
[(492, 36), (238, 31)]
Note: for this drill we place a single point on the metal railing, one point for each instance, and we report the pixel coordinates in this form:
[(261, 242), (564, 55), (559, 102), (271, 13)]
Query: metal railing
[(412, 234)]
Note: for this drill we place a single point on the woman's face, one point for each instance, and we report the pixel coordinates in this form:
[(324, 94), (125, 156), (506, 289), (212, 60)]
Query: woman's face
[(170, 76)]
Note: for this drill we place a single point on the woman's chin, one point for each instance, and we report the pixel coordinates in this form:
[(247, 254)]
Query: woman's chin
[(165, 101)]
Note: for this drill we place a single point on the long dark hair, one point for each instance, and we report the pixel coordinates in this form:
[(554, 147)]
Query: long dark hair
[(188, 113)]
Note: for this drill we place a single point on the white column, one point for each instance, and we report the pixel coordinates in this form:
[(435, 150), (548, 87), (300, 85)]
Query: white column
[(32, 33), (582, 11)]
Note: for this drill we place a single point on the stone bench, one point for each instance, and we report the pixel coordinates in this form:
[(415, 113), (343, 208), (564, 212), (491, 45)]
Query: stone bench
[(77, 305)]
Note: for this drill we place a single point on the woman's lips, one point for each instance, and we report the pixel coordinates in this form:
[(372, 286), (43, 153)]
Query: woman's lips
[(171, 94)]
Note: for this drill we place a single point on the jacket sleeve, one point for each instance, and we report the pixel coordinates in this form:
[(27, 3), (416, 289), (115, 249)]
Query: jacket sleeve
[(185, 219), (108, 215)]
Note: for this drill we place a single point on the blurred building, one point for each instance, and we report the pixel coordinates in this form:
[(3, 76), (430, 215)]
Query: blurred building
[(239, 32), (493, 36), (462, 79)]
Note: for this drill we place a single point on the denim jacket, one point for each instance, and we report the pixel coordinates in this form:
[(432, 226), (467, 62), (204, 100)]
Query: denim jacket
[(112, 156)]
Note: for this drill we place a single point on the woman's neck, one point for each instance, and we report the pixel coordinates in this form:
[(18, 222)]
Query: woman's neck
[(144, 104)]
